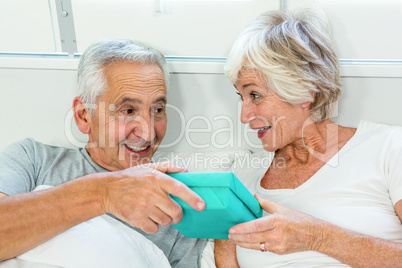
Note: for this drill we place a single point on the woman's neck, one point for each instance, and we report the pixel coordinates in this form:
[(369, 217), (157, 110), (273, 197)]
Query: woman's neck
[(317, 140)]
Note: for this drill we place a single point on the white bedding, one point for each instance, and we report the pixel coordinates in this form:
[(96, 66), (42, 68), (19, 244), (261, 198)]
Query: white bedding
[(99, 242), (78, 248)]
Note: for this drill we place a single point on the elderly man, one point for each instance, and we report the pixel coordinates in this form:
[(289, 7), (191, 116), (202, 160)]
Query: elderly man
[(121, 107)]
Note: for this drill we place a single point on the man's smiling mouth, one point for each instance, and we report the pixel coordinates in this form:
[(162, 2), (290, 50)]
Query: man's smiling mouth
[(135, 148)]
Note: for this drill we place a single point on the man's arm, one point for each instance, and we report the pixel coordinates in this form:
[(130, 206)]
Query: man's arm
[(32, 218), (139, 196)]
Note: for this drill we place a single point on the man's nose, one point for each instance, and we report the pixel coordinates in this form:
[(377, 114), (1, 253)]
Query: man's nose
[(145, 127)]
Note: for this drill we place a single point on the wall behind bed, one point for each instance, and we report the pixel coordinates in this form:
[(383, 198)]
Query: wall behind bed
[(203, 110)]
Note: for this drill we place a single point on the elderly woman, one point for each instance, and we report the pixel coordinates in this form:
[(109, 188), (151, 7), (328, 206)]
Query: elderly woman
[(332, 194)]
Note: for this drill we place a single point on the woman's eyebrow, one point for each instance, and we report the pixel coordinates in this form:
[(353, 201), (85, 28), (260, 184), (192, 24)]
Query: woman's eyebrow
[(245, 86), (249, 85)]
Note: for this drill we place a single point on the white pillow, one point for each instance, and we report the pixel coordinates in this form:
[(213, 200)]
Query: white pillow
[(99, 242)]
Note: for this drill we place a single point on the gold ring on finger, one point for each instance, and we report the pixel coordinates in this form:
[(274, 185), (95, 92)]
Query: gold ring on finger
[(262, 247)]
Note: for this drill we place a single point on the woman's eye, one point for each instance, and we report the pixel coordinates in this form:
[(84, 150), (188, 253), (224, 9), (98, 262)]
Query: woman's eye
[(240, 96), (255, 95)]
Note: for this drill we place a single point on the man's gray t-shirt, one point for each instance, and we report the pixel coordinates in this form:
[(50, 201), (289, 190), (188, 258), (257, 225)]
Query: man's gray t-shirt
[(28, 163)]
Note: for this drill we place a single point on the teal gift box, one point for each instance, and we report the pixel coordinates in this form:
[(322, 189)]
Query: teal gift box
[(228, 202)]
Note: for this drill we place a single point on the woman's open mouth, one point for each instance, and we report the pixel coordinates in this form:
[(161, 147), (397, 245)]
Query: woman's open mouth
[(263, 131)]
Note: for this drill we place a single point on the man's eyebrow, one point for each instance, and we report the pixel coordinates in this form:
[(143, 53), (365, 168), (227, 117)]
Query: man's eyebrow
[(126, 99), (161, 99)]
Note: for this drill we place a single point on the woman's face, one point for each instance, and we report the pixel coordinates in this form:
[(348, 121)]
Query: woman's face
[(277, 123)]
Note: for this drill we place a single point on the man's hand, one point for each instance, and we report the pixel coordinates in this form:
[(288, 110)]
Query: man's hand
[(140, 196)]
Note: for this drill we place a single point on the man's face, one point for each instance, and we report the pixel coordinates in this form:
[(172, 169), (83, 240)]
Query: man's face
[(130, 118)]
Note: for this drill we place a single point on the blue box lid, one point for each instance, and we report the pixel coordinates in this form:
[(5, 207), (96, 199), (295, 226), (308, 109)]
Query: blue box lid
[(228, 202)]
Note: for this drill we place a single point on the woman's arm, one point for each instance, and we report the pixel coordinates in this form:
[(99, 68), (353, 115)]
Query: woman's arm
[(225, 254), (359, 250), (287, 231)]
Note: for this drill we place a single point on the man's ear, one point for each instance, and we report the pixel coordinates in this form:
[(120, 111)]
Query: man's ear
[(81, 115)]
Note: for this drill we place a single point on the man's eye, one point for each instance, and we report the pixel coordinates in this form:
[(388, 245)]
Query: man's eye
[(128, 111), (159, 110)]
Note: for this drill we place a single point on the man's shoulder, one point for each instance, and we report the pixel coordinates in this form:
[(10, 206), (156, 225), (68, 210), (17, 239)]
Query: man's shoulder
[(37, 153), (33, 143), (33, 147)]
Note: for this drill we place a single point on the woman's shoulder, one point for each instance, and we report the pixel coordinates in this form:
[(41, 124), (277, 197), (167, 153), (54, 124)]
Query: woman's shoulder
[(370, 128), (378, 135)]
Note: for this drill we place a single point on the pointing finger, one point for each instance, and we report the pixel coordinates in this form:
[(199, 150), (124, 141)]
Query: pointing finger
[(179, 189)]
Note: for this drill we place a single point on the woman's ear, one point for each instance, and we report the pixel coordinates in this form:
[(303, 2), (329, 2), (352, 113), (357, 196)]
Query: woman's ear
[(306, 105), (81, 115)]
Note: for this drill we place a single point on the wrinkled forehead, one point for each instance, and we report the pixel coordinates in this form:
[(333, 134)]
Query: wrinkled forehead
[(138, 72), (251, 75), (135, 81)]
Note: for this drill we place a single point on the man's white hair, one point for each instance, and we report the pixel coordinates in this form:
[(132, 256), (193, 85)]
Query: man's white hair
[(91, 82)]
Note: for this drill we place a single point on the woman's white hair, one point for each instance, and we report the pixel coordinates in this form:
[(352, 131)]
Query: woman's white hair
[(296, 56), (91, 82)]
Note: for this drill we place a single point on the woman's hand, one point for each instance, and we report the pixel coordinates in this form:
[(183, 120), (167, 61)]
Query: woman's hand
[(284, 231)]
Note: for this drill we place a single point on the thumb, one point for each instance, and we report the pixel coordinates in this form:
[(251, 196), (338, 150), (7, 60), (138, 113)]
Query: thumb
[(268, 205)]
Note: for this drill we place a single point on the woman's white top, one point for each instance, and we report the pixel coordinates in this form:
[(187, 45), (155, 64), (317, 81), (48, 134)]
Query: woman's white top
[(357, 190)]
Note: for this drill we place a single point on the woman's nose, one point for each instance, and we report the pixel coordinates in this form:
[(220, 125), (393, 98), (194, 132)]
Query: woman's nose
[(246, 114)]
